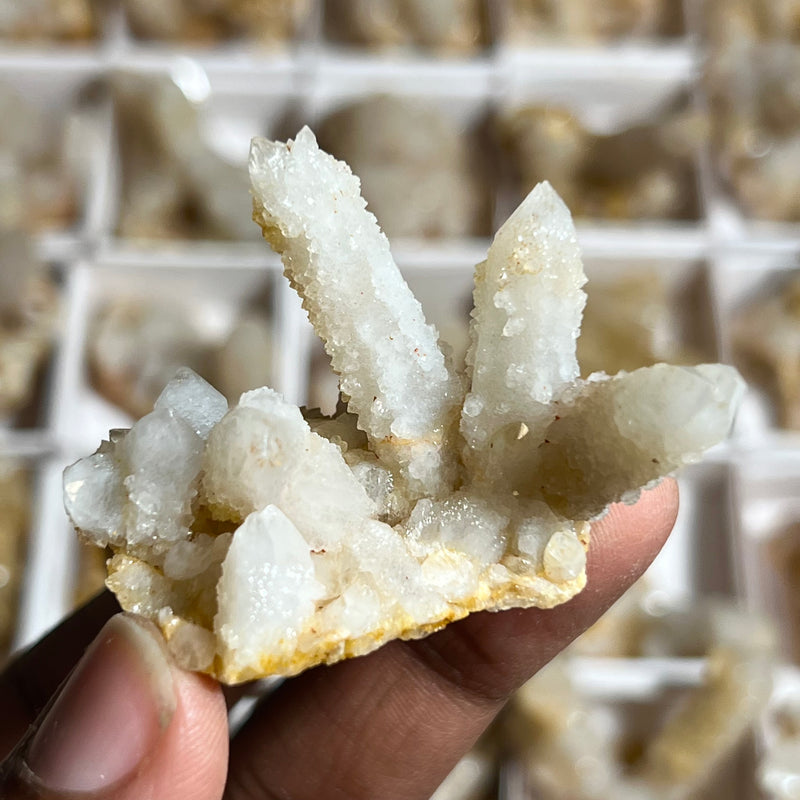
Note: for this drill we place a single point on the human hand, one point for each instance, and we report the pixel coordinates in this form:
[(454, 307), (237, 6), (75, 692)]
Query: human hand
[(130, 725)]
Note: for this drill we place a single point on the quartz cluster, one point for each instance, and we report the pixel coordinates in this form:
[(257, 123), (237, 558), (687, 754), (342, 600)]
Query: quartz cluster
[(263, 541)]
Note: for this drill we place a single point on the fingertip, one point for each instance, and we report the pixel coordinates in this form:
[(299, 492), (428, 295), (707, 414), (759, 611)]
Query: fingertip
[(631, 536)]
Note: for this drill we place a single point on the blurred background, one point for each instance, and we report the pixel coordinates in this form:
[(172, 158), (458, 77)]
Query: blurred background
[(672, 130)]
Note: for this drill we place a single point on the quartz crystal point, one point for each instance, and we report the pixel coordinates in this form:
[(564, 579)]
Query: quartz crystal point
[(391, 367), (263, 541)]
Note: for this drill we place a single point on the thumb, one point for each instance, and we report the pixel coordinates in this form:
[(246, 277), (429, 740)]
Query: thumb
[(127, 724)]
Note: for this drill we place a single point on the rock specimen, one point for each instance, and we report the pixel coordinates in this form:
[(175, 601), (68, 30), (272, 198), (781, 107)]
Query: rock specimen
[(572, 747), (38, 187), (15, 502), (417, 169), (783, 556), (453, 26), (779, 772), (137, 345), (586, 21), (264, 543), (640, 172), (629, 322), (765, 335), (28, 320), (174, 185), (755, 99), (265, 21), (731, 23), (47, 19)]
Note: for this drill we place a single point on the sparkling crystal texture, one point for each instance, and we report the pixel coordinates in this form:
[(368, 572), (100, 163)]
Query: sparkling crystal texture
[(263, 541)]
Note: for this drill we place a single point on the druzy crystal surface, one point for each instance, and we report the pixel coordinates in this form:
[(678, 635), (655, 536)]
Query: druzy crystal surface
[(263, 541)]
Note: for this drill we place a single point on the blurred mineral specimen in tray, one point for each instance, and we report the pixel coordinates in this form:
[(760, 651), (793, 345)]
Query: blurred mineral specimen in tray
[(779, 770), (37, 187), (174, 184), (754, 92), (448, 26), (645, 171), (783, 556), (765, 335), (27, 20), (731, 24), (264, 543), (267, 22), (576, 748), (419, 171), (137, 345), (629, 322), (582, 21), (29, 307), (644, 623), (15, 503)]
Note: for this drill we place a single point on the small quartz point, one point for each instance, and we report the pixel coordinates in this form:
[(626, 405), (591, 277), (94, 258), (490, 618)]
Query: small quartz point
[(263, 541)]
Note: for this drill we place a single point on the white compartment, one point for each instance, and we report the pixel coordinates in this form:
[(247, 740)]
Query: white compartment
[(61, 89), (605, 99), (521, 42), (740, 276), (766, 502), (213, 299), (233, 107), (29, 431)]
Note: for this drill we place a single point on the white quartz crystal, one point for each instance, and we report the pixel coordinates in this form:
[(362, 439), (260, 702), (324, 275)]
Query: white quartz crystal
[(528, 307), (263, 541)]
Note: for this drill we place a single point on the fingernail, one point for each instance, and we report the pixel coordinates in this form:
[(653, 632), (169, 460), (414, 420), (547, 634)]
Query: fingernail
[(110, 713)]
